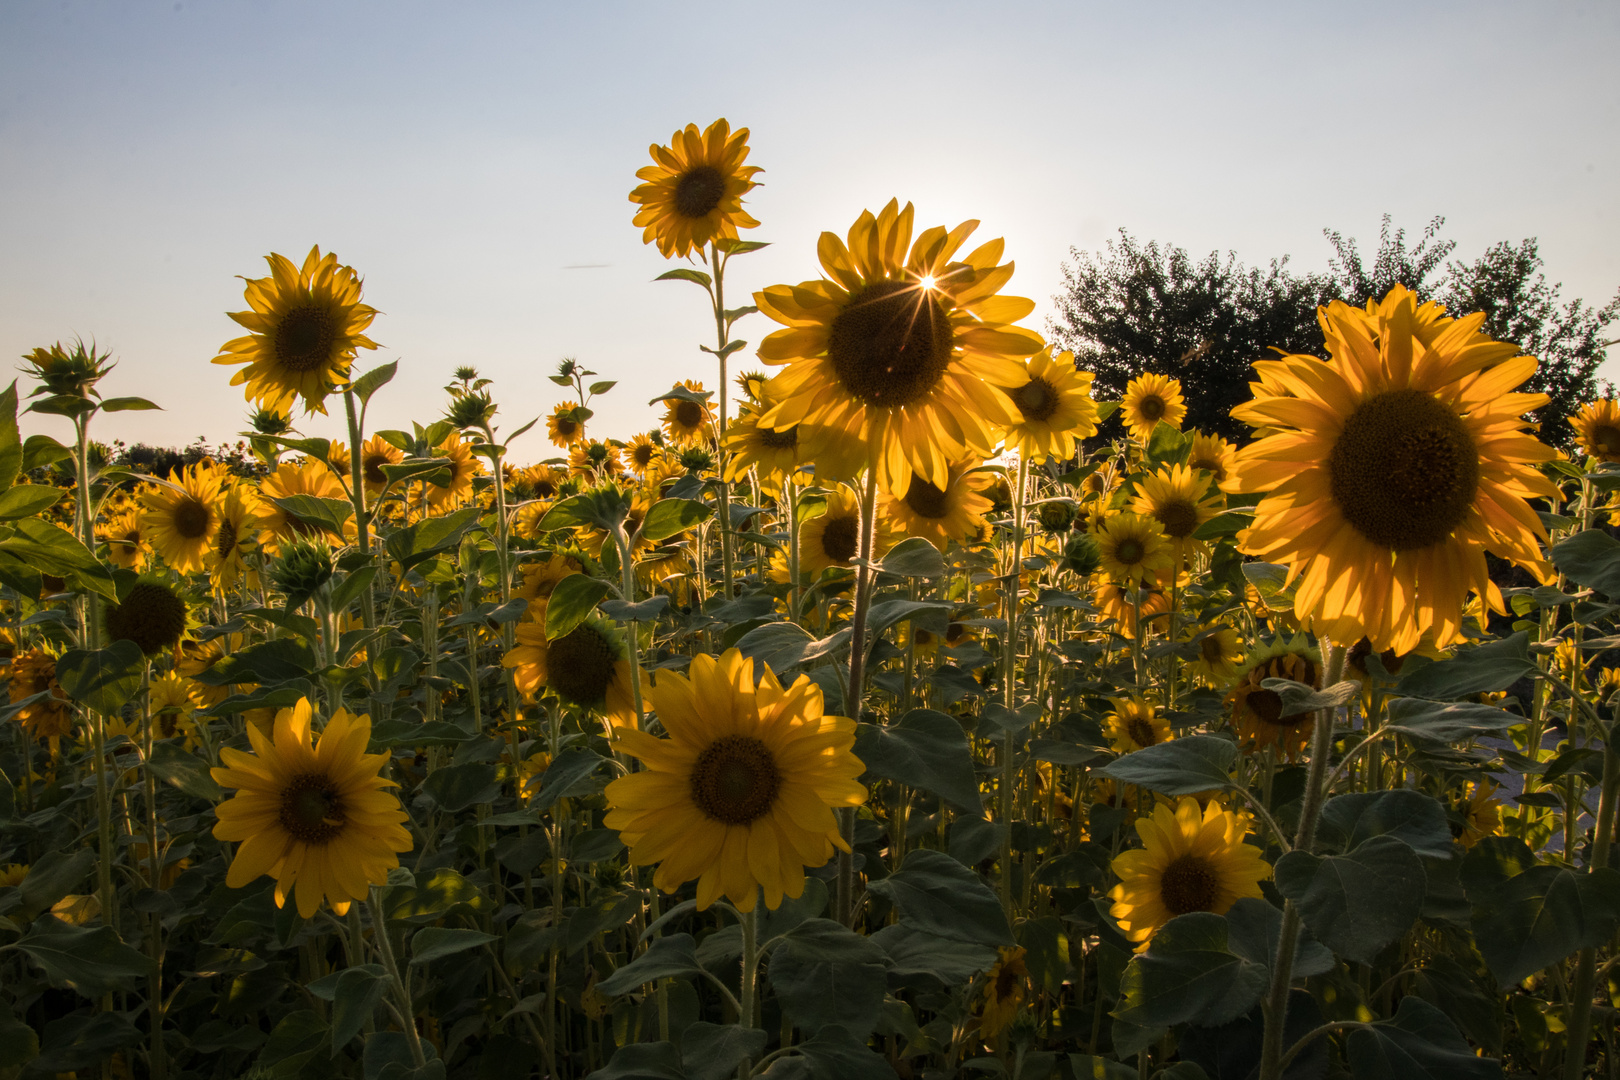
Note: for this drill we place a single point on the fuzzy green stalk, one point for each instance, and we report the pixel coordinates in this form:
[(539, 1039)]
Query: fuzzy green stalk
[(402, 989), (1580, 1012), (1009, 683), (357, 495), (854, 688), (721, 332), (157, 1054), (1275, 1004)]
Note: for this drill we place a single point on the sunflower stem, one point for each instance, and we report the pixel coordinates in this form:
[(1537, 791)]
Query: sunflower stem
[(1009, 683), (718, 265), (357, 495), (855, 686), (158, 1058), (402, 991), (1282, 968), (1580, 1013)]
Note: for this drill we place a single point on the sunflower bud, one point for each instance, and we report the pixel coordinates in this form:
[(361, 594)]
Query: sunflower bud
[(71, 373), (1082, 555), (304, 569), (1056, 516), (152, 615), (471, 410), (697, 459), (270, 421)]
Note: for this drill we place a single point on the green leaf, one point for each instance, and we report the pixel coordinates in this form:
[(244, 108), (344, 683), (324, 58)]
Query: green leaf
[(572, 602), (352, 587), (128, 404), (91, 960), (682, 273), (672, 957), (1537, 918), (1188, 975), (604, 508), (670, 517), (53, 876), (437, 942), (713, 1051), (1268, 579), (370, 383), (26, 500), (103, 679), (1420, 1043), (328, 514), (42, 450), (441, 895), (82, 1041), (1590, 558), (395, 733), (187, 772), (914, 557), (1356, 904), (1447, 722), (427, 538), (1493, 666), (1407, 815), (939, 895), (642, 1061), (1253, 929), (11, 450), (832, 1054), (456, 787), (424, 469), (825, 973), (1185, 766), (51, 550), (357, 992), (927, 750), (270, 662), (18, 1043), (602, 387), (564, 774), (915, 954), (885, 613)]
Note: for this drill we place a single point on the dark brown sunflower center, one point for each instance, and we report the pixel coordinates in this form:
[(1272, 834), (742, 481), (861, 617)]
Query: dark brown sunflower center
[(151, 616), (1140, 729), (641, 456), (890, 345), (924, 639), (839, 538), (225, 539), (1606, 441), (1189, 883), (544, 489), (1151, 406), (688, 414), (579, 666), (372, 465), (926, 500), (304, 338), (1008, 980), (1037, 399), (1210, 465), (1129, 551), (1210, 649), (191, 518), (565, 425), (780, 438), (1178, 517), (1266, 705), (311, 809), (699, 191), (735, 780), (1404, 471)]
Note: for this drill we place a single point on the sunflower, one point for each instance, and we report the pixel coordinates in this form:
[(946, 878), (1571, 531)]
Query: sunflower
[(1054, 408), (33, 671), (121, 532), (1115, 601), (1135, 725), (741, 794), (172, 708), (12, 874), (940, 515), (462, 466), (1004, 988), (179, 520), (1212, 454), (588, 667), (1150, 400), (832, 538), (193, 658), (1481, 813), (376, 453), (693, 195), (540, 578), (311, 812), (302, 332), (565, 425), (151, 614), (241, 516), (1257, 712), (1220, 650), (1597, 427), (1189, 861), (1133, 547), (594, 460), (640, 453), (543, 481), (775, 455), (1391, 469), (906, 358), (1175, 498), (277, 526), (686, 422), (1097, 485)]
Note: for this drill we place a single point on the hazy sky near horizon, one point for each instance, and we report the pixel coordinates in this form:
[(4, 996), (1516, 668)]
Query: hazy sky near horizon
[(472, 161)]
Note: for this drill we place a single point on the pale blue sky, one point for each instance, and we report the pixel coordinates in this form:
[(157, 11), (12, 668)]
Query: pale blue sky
[(464, 155)]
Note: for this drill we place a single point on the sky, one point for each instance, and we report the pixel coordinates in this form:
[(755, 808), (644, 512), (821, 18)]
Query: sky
[(473, 160)]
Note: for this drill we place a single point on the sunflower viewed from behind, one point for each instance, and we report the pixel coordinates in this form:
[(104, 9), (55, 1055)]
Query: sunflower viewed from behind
[(693, 193), (312, 813), (1597, 427), (740, 796), (179, 520), (1389, 470), (1054, 408), (904, 351), (1150, 399), (303, 331), (1189, 861)]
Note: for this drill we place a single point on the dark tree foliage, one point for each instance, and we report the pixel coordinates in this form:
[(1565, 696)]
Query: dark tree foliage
[(1149, 307)]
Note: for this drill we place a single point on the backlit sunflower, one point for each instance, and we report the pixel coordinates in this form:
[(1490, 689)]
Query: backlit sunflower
[(311, 812), (594, 460), (376, 453), (1597, 427), (193, 658), (941, 515), (540, 578), (741, 794), (1150, 399), (776, 455), (33, 671), (241, 516), (693, 194), (1135, 725), (905, 357), (1097, 485), (151, 614), (1005, 985), (565, 425), (302, 332), (1391, 469), (179, 520), (832, 538), (121, 533), (588, 667), (1054, 408), (640, 453), (1220, 651), (1115, 602), (1481, 813), (1178, 499), (172, 708), (462, 466), (1257, 715), (1212, 454), (1133, 547), (278, 526), (686, 422), (1189, 861)]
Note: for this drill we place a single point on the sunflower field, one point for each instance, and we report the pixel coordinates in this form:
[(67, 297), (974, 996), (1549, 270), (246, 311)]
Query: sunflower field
[(894, 709)]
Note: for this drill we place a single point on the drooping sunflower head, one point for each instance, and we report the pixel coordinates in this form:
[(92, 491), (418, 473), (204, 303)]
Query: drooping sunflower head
[(1390, 469), (693, 193), (1597, 427), (1054, 407), (1135, 724), (942, 515), (1004, 990), (152, 615), (1149, 401), (901, 347), (303, 331), (179, 519), (1133, 547), (688, 416), (740, 796)]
